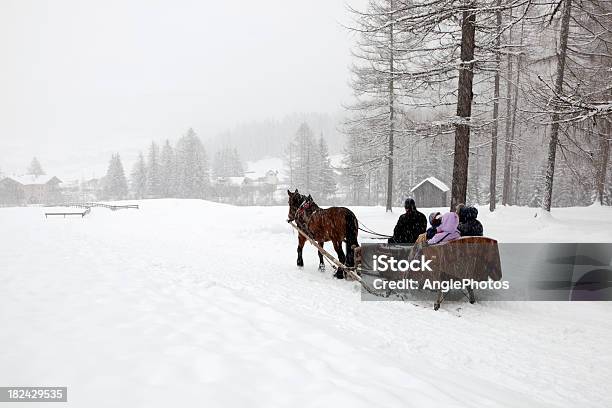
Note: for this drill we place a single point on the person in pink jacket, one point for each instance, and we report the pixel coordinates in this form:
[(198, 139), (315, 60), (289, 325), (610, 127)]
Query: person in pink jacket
[(447, 231)]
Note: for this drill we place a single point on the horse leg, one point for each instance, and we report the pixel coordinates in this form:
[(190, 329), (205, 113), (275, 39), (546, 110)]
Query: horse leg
[(439, 300), (301, 241), (350, 233), (338, 247), (321, 263), (471, 296), (339, 251)]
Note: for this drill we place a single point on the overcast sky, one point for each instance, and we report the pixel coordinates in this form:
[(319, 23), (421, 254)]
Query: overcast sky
[(79, 77)]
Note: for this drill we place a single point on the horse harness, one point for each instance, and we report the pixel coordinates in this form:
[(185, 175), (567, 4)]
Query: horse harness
[(301, 214)]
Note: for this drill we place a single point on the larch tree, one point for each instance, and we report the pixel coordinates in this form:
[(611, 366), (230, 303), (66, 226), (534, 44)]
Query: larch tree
[(495, 122), (375, 84)]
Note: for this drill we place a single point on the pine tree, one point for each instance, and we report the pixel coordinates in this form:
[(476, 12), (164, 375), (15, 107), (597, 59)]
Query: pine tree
[(35, 168), (227, 163), (192, 170), (115, 184), (302, 159), (236, 161), (355, 174), (153, 186), (168, 171), (139, 178), (325, 183)]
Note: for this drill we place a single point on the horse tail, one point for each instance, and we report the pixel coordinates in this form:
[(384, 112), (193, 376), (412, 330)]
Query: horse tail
[(352, 229)]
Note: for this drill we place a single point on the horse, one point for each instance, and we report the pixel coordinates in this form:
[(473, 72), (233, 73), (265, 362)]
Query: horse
[(335, 224)]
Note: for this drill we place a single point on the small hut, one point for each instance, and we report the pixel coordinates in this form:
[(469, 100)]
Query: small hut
[(430, 192)]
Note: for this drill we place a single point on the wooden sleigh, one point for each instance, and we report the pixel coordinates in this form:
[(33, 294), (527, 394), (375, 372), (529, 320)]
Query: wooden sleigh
[(475, 258)]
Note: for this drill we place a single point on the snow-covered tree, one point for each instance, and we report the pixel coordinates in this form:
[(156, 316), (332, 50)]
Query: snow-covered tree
[(302, 159), (35, 168), (379, 53), (168, 171), (114, 183), (153, 180), (325, 181), (192, 171), (139, 178), (227, 163)]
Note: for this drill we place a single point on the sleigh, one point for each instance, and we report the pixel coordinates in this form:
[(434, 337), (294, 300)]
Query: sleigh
[(473, 258)]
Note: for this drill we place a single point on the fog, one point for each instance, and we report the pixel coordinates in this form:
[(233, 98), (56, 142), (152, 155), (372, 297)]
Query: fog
[(81, 79)]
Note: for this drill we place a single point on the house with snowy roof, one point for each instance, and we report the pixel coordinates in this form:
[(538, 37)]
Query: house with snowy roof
[(30, 189), (430, 192)]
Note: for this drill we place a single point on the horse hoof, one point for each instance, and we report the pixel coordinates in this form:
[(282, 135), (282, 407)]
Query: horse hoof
[(322, 267), (339, 274), (436, 306)]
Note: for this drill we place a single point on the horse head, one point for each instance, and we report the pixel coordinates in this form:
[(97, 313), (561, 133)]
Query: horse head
[(295, 202)]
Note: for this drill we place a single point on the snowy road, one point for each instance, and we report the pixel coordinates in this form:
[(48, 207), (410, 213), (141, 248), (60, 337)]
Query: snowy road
[(200, 303)]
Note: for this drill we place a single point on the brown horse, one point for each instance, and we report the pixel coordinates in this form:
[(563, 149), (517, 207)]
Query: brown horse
[(335, 224)]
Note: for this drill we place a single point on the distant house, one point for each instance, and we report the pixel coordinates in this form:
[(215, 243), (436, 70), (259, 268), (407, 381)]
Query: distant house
[(30, 189), (75, 191), (228, 189), (247, 190), (430, 192), (11, 193), (91, 190)]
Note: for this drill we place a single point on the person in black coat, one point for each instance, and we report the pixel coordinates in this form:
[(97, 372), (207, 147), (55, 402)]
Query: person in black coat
[(469, 226), (409, 225)]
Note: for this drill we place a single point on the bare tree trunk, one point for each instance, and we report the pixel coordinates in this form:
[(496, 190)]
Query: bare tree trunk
[(604, 151), (477, 177), (391, 117), (508, 143), (517, 175), (493, 178), (554, 129), (464, 107), (511, 154)]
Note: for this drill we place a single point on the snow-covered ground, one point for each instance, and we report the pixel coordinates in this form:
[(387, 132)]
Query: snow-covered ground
[(192, 303)]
